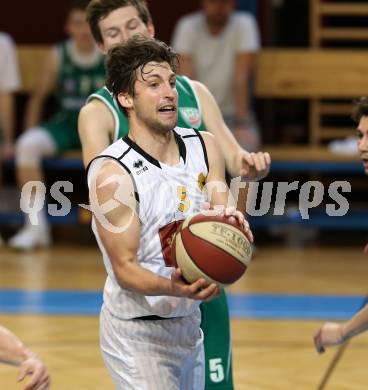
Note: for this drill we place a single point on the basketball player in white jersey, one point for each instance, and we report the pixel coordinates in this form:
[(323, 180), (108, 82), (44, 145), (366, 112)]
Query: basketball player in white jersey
[(141, 187)]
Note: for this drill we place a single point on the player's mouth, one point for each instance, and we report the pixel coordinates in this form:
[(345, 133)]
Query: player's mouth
[(168, 109)]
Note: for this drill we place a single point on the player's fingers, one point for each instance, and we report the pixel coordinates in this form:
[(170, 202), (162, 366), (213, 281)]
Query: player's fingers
[(230, 211), (32, 384), (260, 162), (241, 219), (45, 385), (249, 234), (267, 158), (318, 342), (197, 286), (176, 275), (22, 373), (248, 159), (207, 293)]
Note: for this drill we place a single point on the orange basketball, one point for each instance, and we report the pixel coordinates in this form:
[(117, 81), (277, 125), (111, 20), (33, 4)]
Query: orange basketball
[(211, 247)]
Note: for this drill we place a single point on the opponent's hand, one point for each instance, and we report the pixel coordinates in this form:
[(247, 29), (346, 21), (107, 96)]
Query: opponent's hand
[(329, 334), (36, 369), (253, 166), (199, 290)]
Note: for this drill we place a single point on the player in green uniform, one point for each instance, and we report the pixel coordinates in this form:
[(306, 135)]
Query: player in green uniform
[(73, 70), (101, 122)]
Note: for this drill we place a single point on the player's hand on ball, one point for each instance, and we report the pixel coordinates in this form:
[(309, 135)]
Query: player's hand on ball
[(199, 290), (231, 211), (329, 334)]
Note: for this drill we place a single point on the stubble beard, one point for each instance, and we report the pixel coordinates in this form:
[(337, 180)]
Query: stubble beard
[(157, 126)]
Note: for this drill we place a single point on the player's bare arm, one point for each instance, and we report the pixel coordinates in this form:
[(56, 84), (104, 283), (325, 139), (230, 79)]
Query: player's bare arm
[(216, 184), (13, 351), (242, 72), (253, 166), (122, 246), (333, 333), (96, 127)]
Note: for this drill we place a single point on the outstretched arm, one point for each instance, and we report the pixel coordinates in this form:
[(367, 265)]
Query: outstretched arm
[(239, 162), (333, 334), (13, 351)]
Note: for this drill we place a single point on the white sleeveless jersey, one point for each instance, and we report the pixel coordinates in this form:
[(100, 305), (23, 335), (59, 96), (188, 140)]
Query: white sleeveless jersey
[(165, 194)]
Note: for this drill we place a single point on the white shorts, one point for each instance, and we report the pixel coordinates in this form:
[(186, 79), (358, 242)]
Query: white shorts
[(153, 354)]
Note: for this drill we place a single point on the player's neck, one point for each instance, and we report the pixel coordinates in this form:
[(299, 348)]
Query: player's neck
[(161, 146)]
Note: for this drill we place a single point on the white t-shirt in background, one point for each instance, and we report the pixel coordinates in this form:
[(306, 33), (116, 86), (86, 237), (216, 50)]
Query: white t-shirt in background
[(214, 56)]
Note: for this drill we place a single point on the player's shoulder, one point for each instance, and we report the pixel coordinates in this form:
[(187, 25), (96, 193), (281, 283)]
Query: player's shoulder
[(103, 94), (93, 108), (94, 117), (185, 132), (114, 152)]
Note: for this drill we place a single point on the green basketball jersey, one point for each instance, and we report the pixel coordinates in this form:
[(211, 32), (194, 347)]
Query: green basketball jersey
[(75, 82), (189, 115)]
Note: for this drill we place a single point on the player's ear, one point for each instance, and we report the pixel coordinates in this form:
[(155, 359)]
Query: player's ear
[(151, 28), (125, 100)]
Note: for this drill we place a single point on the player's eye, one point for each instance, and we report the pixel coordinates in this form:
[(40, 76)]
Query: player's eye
[(133, 25)]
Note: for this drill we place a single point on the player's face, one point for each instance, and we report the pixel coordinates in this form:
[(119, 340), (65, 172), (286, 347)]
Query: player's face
[(120, 25), (218, 11), (363, 141), (78, 29), (155, 103)]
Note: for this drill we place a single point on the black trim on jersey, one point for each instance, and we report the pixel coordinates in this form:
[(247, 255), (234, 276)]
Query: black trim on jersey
[(124, 154), (181, 145), (204, 149), (148, 157), (136, 194), (139, 150), (190, 136)]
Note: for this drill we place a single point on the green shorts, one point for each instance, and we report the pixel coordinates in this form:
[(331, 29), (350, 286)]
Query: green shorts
[(217, 343), (63, 128)]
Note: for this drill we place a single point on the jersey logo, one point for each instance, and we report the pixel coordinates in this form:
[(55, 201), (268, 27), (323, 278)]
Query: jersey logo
[(201, 181), (191, 116), (139, 166)]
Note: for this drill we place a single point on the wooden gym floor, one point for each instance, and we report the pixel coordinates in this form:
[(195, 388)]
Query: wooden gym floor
[(51, 300)]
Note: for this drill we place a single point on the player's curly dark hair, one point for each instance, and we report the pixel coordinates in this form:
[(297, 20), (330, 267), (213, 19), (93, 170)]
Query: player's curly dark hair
[(123, 62), (360, 109), (100, 9)]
